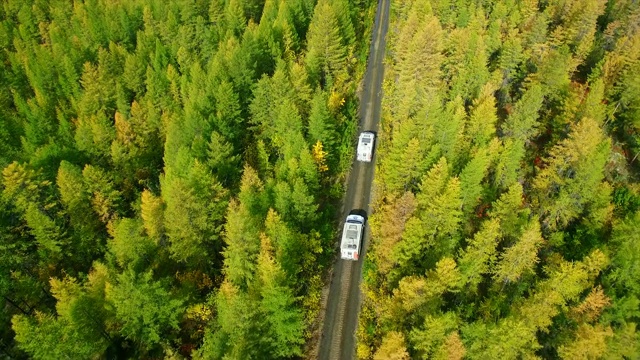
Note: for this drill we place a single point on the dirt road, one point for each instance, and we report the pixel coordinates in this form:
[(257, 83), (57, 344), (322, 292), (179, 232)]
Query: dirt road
[(343, 304)]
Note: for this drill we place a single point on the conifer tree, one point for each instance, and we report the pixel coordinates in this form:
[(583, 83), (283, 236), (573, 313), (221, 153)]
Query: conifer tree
[(466, 67), (575, 168), (471, 178), (508, 163), (144, 309), (480, 128), (393, 348), (387, 226), (47, 337), (105, 198), (321, 123), (433, 333), (282, 336), (481, 253), (222, 159), (521, 257), (449, 132), (76, 199), (243, 245), (194, 212), (510, 210), (326, 50), (522, 123), (129, 245), (590, 343), (152, 214)]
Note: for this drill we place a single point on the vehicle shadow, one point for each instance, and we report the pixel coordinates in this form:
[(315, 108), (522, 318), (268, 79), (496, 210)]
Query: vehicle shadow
[(360, 212)]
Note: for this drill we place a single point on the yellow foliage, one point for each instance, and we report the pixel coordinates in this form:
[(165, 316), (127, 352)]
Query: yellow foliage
[(593, 304), (65, 291), (363, 351), (387, 227), (102, 206), (590, 342), (452, 348), (152, 214), (412, 292), (319, 155), (199, 312), (447, 275), (595, 262), (393, 348), (336, 100), (124, 130)]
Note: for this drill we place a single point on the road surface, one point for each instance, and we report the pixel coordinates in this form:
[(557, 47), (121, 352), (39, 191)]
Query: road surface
[(338, 340)]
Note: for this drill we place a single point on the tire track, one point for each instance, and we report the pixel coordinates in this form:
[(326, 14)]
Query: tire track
[(345, 284)]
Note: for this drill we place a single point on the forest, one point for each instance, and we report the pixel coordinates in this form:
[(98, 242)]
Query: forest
[(171, 172), (507, 207)]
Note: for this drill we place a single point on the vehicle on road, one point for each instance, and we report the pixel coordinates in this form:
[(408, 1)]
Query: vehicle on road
[(352, 237), (365, 146)]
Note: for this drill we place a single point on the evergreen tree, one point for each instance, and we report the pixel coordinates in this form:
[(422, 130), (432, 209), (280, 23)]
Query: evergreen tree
[(144, 309), (152, 214), (243, 245), (194, 212), (392, 348), (282, 336), (326, 47), (75, 197), (575, 168), (521, 257), (522, 123), (471, 178), (129, 246), (321, 123), (481, 253), (510, 210), (480, 128), (433, 333), (47, 338)]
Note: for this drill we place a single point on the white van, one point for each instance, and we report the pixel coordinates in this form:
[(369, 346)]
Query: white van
[(352, 237), (365, 146)]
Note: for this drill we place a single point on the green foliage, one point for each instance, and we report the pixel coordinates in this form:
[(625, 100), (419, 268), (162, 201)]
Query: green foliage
[(436, 222), (522, 123), (511, 211), (471, 178), (124, 131), (575, 169), (466, 67), (326, 43), (480, 255), (432, 334), (129, 246), (243, 244), (76, 332), (282, 335), (143, 307), (152, 214), (521, 257), (530, 106), (625, 273), (48, 338), (194, 214), (321, 123)]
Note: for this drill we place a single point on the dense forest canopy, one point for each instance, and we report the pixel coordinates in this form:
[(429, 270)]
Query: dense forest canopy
[(169, 173), (506, 221)]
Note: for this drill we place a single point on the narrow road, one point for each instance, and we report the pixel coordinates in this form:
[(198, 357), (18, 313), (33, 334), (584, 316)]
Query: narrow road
[(343, 305)]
